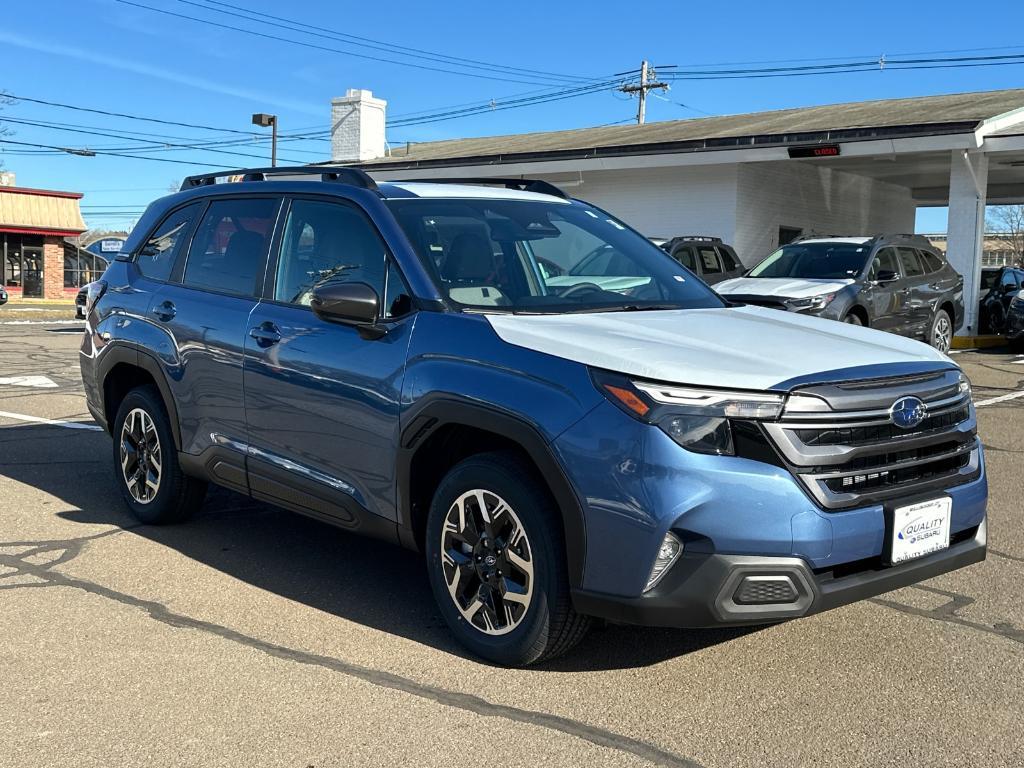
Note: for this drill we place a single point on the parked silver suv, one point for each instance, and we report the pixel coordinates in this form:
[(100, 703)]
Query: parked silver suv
[(895, 283)]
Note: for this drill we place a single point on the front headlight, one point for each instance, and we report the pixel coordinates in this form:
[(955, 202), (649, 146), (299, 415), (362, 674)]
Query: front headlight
[(697, 419), (1018, 301), (965, 385), (810, 303)]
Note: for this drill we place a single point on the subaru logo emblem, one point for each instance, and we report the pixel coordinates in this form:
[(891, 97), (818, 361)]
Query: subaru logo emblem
[(490, 561), (908, 412)]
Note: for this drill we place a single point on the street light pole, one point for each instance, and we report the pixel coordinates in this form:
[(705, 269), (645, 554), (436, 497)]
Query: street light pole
[(264, 120)]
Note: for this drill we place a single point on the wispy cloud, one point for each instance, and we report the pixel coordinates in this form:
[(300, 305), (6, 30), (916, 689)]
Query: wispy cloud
[(158, 73)]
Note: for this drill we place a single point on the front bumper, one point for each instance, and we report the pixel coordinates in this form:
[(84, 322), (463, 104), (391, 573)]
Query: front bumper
[(701, 590)]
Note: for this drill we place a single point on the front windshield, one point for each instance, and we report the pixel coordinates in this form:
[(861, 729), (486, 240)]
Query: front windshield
[(815, 261), (534, 256)]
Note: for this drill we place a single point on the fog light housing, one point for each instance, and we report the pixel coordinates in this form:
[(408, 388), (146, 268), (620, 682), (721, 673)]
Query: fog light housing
[(669, 551)]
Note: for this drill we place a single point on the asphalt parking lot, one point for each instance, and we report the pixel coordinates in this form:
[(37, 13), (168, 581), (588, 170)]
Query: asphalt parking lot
[(250, 636)]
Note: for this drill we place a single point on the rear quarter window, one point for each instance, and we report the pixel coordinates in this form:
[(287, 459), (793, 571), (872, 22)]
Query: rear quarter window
[(157, 256), (931, 262)]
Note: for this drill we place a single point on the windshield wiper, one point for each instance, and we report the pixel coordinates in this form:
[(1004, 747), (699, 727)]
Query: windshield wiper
[(624, 308)]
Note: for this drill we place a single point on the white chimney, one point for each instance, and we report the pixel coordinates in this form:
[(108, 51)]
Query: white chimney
[(7, 179), (357, 126)]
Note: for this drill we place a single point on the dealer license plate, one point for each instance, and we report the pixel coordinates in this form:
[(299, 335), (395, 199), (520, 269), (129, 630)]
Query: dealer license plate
[(920, 529)]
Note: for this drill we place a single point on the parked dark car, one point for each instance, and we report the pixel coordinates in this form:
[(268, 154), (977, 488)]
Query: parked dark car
[(3, 296), (708, 257), (80, 300), (1014, 327), (999, 286), (895, 283)]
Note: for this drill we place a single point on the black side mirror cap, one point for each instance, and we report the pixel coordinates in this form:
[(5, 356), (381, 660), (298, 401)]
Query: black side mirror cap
[(355, 304)]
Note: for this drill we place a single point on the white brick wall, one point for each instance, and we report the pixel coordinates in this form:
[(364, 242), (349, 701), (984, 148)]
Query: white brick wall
[(746, 204), (815, 199), (663, 202)]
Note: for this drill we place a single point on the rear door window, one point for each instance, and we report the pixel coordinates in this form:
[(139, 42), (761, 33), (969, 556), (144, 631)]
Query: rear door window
[(909, 263), (684, 255), (709, 262), (228, 249), (156, 258)]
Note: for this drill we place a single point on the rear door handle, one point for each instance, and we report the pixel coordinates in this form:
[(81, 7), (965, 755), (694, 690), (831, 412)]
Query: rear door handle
[(165, 311), (265, 334)]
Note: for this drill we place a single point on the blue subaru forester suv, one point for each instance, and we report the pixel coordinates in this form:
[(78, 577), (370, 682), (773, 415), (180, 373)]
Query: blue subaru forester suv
[(562, 418)]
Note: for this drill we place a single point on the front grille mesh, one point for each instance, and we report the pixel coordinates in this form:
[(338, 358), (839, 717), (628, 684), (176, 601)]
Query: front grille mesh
[(881, 432), (889, 478)]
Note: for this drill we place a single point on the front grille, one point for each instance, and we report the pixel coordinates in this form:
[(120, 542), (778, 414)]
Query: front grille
[(880, 432), (849, 456), (758, 301)]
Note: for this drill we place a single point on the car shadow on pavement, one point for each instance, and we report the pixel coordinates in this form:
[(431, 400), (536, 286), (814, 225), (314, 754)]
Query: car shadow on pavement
[(355, 578)]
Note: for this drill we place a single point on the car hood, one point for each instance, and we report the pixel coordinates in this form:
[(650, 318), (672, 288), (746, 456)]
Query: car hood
[(788, 287), (738, 347)]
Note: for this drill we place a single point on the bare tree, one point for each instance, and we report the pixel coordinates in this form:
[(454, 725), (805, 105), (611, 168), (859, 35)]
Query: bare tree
[(1005, 223)]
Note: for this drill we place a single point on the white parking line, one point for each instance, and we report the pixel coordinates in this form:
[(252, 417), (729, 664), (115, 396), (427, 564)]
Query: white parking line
[(51, 422), (43, 382), (1000, 399), (40, 322)]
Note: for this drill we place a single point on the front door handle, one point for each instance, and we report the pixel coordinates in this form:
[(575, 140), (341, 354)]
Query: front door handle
[(265, 334), (165, 311)]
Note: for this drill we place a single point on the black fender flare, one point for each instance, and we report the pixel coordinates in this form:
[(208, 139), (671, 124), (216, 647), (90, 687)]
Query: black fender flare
[(432, 413), (130, 355)]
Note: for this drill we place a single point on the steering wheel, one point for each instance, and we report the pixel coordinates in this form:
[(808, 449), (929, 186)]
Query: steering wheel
[(572, 290)]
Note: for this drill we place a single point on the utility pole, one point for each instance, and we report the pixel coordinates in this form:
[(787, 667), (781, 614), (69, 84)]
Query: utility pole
[(648, 81)]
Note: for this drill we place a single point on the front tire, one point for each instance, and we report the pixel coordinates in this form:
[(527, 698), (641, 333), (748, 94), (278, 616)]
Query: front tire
[(853, 319), (940, 335), (496, 562), (146, 462)]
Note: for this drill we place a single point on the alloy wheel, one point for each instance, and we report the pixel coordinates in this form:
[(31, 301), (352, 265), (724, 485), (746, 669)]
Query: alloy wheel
[(140, 456), (942, 335), (487, 562)]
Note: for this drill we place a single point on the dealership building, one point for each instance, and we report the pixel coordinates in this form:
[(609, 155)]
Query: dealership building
[(755, 180)]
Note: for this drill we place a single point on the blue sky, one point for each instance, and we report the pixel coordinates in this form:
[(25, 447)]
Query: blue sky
[(118, 57)]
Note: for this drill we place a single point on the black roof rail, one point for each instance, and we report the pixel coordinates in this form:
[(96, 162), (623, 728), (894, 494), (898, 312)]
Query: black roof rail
[(342, 174), (699, 238), (524, 185)]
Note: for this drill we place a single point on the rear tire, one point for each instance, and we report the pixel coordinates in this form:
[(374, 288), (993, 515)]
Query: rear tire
[(146, 462), (940, 335), (513, 546), (853, 319)]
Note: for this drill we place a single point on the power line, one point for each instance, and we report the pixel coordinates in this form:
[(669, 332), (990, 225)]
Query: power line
[(315, 46), (90, 152), (498, 106), (379, 45), (129, 117), (154, 144)]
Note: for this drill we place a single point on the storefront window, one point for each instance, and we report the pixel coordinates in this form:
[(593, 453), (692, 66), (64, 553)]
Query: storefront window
[(81, 267), (22, 262)]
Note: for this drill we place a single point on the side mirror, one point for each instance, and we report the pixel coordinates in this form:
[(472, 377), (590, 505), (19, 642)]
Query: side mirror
[(1006, 290), (355, 304), (886, 276)]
